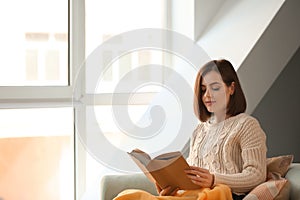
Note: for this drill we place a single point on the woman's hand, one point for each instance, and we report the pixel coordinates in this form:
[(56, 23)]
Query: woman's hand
[(165, 191), (200, 176)]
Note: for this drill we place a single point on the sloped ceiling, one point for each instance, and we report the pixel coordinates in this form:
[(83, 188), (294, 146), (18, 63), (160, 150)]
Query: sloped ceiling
[(258, 37)]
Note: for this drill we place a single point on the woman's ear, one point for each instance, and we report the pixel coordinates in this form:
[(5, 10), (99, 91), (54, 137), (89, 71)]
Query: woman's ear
[(232, 88)]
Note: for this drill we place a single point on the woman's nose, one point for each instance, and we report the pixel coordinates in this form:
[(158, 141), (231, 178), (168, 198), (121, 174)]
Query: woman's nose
[(207, 93)]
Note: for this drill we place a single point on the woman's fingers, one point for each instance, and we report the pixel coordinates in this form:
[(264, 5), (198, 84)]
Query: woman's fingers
[(165, 191), (200, 176), (173, 193), (158, 189), (199, 169), (168, 191)]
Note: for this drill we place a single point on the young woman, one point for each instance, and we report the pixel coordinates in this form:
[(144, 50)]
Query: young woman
[(228, 146)]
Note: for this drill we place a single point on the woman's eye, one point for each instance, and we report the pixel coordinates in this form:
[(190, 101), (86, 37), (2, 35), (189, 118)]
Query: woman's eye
[(216, 89)]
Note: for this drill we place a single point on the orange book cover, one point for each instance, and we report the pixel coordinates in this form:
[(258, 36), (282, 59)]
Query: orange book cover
[(166, 169)]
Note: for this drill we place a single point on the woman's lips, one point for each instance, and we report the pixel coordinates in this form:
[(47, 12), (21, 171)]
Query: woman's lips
[(209, 103)]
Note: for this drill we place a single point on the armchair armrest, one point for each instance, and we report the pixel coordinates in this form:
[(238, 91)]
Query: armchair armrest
[(293, 175), (112, 185)]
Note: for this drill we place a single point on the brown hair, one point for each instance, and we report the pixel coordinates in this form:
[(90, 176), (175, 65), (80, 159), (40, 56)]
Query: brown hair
[(237, 103)]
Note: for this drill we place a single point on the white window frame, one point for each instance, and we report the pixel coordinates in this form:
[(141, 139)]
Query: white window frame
[(28, 96), (66, 96), (56, 96)]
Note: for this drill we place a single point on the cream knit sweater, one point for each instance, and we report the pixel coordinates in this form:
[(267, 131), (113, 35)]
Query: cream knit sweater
[(233, 150)]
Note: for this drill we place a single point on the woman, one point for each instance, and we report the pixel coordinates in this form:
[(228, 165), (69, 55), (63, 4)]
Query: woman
[(228, 146)]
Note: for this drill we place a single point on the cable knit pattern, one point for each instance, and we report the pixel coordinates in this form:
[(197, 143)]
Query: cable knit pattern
[(233, 150)]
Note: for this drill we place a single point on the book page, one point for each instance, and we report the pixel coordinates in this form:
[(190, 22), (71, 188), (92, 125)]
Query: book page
[(143, 157), (140, 158), (168, 156)]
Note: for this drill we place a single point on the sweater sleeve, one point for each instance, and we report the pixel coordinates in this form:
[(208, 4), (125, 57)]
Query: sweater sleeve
[(253, 151)]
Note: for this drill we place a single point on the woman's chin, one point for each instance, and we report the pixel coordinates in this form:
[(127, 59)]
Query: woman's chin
[(210, 109)]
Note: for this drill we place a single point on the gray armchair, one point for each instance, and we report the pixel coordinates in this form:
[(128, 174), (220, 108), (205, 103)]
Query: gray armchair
[(111, 185)]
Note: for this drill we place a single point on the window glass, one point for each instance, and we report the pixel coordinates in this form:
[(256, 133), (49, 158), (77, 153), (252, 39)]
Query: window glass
[(34, 43), (105, 19), (36, 154)]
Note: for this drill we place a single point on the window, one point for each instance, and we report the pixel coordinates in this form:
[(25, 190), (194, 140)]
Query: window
[(104, 21), (45, 95), (36, 150), (38, 37), (36, 113)]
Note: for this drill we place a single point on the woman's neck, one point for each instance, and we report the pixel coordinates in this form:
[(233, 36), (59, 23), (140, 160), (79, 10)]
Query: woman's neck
[(219, 117)]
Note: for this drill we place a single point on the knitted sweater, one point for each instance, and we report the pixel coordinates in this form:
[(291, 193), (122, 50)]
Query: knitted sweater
[(233, 150)]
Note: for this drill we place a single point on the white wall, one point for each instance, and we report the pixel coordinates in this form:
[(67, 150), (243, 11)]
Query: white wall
[(235, 28)]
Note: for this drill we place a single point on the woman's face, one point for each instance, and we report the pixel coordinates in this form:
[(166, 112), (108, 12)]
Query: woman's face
[(215, 93)]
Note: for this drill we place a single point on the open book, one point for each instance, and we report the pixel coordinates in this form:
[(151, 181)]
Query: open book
[(166, 169)]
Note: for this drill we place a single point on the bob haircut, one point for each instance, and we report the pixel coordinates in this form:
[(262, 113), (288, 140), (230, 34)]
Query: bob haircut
[(237, 102)]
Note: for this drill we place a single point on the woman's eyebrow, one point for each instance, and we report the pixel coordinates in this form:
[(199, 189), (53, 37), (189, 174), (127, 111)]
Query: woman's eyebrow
[(215, 83), (211, 84)]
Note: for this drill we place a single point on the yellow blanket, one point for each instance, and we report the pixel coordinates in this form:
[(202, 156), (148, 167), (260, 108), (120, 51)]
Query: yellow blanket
[(219, 192)]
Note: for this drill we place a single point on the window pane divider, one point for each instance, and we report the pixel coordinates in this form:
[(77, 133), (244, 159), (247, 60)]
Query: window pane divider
[(34, 103), (143, 98), (35, 92)]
